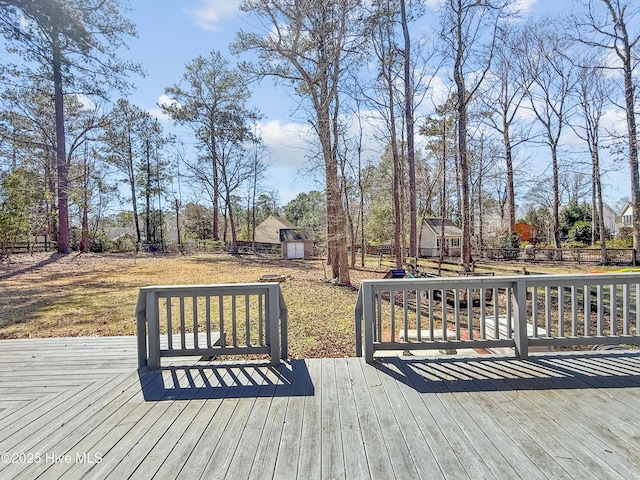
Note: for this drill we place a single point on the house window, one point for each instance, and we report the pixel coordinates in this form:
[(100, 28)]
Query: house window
[(437, 243), (627, 219), (455, 242)]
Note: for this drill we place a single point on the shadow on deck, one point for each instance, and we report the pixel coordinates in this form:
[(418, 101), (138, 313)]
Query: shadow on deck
[(226, 380), (543, 372)]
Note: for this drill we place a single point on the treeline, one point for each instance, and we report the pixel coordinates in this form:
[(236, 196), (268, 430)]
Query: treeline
[(462, 112)]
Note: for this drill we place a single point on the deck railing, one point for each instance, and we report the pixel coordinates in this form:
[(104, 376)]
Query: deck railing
[(489, 312), (211, 320)]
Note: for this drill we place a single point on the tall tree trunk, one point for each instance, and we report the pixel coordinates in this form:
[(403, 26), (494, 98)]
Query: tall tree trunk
[(147, 194), (464, 166), (511, 195), (626, 56), (408, 109), (61, 155), (633, 145), (598, 184), (134, 200), (84, 237), (556, 201), (216, 186)]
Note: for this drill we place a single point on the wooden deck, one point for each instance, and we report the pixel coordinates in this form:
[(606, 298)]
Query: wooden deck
[(78, 408)]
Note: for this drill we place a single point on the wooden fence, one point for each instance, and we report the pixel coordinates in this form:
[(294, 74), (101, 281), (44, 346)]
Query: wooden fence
[(623, 256), (519, 311), (27, 247), (211, 320)]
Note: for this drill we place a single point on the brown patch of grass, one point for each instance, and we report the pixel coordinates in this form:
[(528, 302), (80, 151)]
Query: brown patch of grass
[(95, 294)]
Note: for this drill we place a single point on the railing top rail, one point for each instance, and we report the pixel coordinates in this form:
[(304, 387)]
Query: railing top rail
[(262, 286), (484, 281)]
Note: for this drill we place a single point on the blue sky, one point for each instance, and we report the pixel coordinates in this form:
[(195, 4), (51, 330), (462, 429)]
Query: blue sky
[(171, 33)]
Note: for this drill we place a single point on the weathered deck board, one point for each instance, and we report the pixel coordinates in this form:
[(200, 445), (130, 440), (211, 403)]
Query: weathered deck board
[(565, 416)]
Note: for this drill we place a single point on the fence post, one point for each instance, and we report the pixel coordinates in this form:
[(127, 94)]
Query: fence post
[(153, 329), (141, 327), (520, 335), (368, 317), (284, 327), (357, 317), (273, 317)]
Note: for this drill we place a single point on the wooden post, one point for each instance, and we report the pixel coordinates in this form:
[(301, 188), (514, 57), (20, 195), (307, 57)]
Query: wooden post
[(520, 324), (368, 318), (273, 314), (153, 327)]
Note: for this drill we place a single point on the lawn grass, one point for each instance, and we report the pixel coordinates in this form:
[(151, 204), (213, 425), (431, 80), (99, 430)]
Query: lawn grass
[(84, 295), (45, 295)]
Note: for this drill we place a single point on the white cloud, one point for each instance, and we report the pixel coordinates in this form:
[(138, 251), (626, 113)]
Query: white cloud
[(209, 14), (288, 143), (158, 112), (433, 4), (86, 102)]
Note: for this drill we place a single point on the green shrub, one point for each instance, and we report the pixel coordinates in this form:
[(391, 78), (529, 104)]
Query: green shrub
[(509, 245), (620, 242), (580, 233), (100, 243)]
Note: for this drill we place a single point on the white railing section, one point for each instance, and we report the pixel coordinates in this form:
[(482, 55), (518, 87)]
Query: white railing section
[(489, 312), (211, 320)]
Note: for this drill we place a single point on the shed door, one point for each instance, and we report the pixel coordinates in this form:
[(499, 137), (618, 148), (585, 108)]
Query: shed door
[(295, 250)]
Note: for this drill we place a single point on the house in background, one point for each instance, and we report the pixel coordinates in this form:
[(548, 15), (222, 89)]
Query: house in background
[(431, 235), (295, 242), (626, 218), (610, 219), (526, 232), (269, 230)]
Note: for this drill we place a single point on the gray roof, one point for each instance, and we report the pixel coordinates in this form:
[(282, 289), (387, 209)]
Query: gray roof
[(450, 228)]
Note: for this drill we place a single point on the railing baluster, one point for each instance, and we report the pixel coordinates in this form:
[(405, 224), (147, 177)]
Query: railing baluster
[(587, 310), (534, 310), (547, 310), (496, 315), (260, 320), (223, 337), (247, 321), (378, 330), (638, 309), (456, 312), (483, 296), (613, 309), (183, 342), (405, 315), (510, 316), (207, 309), (444, 314), (195, 321), (393, 314), (574, 311), (560, 311), (169, 327), (431, 322), (600, 308), (419, 315), (470, 314), (625, 309), (234, 325)]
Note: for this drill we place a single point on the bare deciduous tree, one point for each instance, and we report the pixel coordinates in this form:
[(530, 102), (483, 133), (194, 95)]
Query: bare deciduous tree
[(552, 76), (608, 26), (307, 43)]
